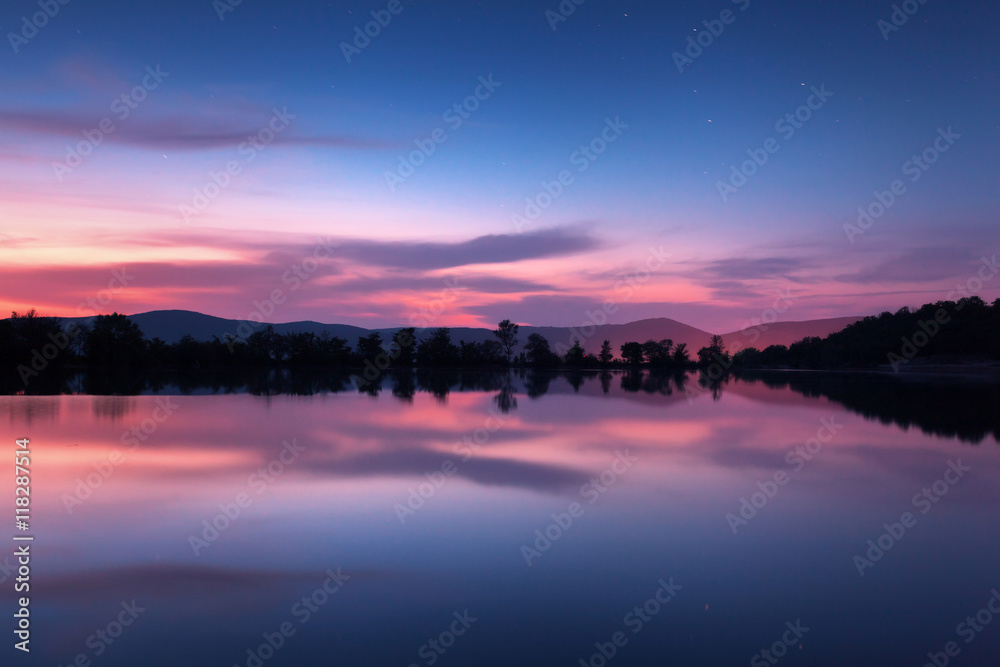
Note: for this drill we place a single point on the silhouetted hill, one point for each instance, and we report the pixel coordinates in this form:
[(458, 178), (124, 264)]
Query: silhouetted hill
[(786, 333), (171, 325), (640, 331)]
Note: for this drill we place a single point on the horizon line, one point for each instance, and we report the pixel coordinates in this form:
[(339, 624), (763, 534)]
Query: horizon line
[(397, 327)]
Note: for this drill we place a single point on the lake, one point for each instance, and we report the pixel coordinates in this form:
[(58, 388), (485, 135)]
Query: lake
[(530, 519)]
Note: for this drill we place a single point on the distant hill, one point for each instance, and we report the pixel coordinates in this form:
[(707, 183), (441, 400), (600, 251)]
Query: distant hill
[(172, 325), (786, 333)]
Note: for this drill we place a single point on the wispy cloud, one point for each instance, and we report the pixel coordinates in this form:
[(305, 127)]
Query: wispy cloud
[(223, 274), (752, 269), (492, 249), (417, 282), (176, 133), (920, 265), (743, 279)]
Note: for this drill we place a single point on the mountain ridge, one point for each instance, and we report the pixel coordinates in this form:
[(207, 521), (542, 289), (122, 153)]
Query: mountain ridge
[(171, 325)]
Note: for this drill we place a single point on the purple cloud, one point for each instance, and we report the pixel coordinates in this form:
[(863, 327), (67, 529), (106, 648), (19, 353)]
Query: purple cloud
[(921, 265), (492, 249), (178, 133)]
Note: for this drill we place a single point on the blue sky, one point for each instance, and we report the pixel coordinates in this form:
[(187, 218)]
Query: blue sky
[(656, 185)]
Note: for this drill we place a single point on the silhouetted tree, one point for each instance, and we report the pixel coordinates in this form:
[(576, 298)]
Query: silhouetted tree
[(302, 349), (478, 355), (748, 357), (657, 353), (576, 356), (404, 347), (606, 356), (681, 356), (715, 352), (774, 355), (35, 344), (334, 351), (158, 351), (506, 333), (370, 346), (114, 340), (965, 328), (437, 350), (632, 353), (78, 339), (266, 346), (538, 351), (29, 344), (492, 353)]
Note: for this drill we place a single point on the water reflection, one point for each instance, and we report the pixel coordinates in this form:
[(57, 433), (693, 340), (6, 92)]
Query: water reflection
[(968, 410), (961, 408), (479, 463)]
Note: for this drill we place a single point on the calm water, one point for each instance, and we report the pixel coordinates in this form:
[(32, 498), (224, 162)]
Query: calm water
[(423, 497)]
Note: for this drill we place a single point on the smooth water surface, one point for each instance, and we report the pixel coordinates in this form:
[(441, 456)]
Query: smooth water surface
[(426, 498)]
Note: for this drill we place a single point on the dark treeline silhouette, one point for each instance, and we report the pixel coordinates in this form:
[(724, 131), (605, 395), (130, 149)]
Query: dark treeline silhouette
[(968, 328), (32, 346), (655, 354)]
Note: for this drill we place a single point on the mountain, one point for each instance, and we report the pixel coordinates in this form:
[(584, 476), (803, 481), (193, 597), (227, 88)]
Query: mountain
[(172, 325), (786, 333)]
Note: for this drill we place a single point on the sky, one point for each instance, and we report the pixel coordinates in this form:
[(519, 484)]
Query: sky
[(474, 161)]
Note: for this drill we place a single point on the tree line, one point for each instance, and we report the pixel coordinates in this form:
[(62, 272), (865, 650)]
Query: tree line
[(31, 344), (968, 328)]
